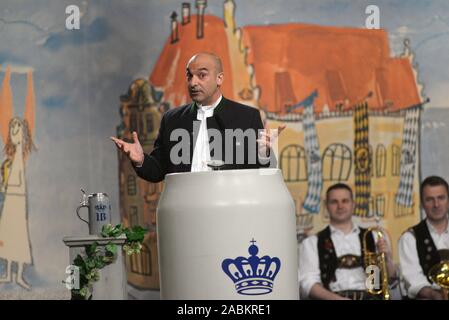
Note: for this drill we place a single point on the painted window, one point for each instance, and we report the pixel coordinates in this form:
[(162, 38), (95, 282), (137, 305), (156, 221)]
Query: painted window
[(377, 205), (396, 160), (381, 160), (141, 263), (293, 163), (133, 216), (149, 123), (337, 162), (132, 185), (133, 122)]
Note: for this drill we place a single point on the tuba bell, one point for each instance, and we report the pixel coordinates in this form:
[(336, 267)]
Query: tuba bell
[(439, 274), (378, 259)]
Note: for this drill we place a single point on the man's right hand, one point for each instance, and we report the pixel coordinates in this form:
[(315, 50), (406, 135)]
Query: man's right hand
[(430, 293), (133, 150)]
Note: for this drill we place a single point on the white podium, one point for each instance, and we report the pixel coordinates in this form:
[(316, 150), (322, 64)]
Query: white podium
[(227, 235)]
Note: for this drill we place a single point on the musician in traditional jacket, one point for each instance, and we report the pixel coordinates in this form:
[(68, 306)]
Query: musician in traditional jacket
[(426, 244), (331, 264)]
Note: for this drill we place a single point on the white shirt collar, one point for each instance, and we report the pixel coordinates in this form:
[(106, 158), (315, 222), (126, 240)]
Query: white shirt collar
[(210, 108), (433, 230), (355, 229)]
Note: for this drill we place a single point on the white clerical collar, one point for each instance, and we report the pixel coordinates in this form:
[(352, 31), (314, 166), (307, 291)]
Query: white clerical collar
[(201, 153)]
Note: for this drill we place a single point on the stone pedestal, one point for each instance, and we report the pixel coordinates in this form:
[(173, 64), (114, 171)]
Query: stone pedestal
[(112, 282)]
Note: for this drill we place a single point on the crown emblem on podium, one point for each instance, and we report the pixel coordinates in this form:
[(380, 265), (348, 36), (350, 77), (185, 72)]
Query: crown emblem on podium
[(252, 275)]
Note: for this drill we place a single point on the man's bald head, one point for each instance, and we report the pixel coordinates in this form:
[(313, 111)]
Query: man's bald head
[(207, 55), (204, 78)]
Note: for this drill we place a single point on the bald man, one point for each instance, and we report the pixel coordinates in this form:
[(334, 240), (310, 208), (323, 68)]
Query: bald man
[(211, 129)]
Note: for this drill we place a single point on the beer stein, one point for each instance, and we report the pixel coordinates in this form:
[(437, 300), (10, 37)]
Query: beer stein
[(99, 211)]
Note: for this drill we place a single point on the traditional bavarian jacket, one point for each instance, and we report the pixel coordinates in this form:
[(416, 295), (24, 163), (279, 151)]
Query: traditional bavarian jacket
[(320, 256), (420, 248)]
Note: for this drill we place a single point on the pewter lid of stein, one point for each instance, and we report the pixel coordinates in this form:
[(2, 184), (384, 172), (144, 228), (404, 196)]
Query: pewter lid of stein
[(98, 194)]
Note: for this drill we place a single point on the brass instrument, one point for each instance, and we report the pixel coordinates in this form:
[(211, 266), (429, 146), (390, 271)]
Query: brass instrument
[(439, 274), (379, 259)]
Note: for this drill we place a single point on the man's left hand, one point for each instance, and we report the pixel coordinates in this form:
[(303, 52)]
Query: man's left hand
[(267, 139), (382, 246)]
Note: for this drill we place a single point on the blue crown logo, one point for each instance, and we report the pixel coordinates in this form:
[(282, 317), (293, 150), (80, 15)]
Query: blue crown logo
[(252, 275)]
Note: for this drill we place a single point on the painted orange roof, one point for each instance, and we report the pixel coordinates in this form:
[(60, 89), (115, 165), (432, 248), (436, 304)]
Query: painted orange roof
[(340, 62), (174, 57), (292, 60), (400, 84)]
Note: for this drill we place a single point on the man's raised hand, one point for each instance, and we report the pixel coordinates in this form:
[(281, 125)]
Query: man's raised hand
[(133, 150), (267, 139)]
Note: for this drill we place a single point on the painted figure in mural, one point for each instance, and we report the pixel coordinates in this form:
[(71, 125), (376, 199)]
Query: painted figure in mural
[(204, 75), (426, 244), (331, 263), (14, 235)]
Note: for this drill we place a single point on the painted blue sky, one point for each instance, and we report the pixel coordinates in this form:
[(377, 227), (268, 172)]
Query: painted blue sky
[(80, 74), (120, 40)]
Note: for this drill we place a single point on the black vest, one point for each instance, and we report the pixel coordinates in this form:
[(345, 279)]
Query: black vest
[(427, 251), (328, 257)]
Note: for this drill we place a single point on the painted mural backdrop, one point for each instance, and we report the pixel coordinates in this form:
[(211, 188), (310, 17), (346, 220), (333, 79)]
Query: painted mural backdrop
[(17, 134), (367, 107), (352, 110)]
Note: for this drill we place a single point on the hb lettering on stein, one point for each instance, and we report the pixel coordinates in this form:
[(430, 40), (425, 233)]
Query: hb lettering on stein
[(99, 211)]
